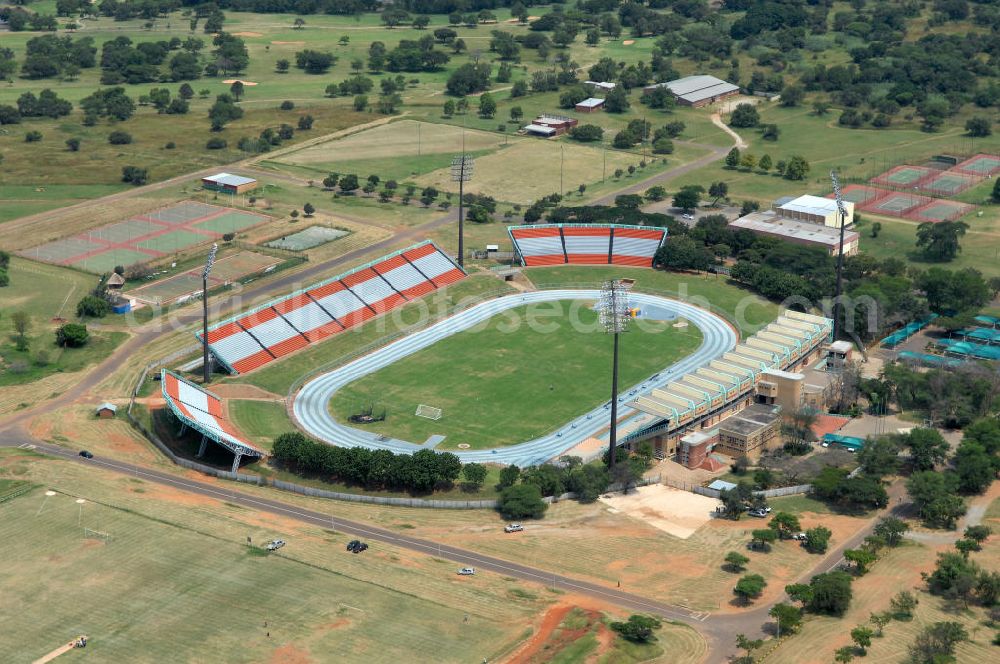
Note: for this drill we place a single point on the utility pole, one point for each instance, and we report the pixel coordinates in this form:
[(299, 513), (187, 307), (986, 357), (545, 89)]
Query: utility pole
[(461, 172), (840, 252), (561, 159), (614, 317), (206, 367)]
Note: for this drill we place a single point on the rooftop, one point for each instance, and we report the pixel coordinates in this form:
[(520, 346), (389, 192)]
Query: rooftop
[(230, 179), (809, 205), (790, 375), (696, 88), (540, 129), (592, 102), (750, 419), (792, 229), (604, 85)]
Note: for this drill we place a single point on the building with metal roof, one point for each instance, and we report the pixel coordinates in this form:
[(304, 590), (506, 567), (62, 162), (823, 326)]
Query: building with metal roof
[(814, 209), (771, 224), (590, 105), (699, 90), (228, 183)]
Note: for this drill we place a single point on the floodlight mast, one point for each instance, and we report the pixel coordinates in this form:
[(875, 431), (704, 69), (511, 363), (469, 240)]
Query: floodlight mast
[(206, 367), (614, 318), (840, 253), (461, 172)]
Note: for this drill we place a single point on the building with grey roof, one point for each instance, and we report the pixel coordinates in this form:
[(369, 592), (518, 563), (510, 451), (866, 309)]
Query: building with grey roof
[(698, 91), (772, 224)]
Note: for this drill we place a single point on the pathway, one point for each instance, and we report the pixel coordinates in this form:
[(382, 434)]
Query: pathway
[(717, 121)]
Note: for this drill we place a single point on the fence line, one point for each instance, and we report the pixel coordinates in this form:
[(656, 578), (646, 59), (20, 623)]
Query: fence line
[(715, 493)]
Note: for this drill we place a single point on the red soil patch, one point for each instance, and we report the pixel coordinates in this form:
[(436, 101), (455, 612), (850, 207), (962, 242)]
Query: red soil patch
[(531, 651), (828, 424), (340, 623), (289, 654), (159, 492)]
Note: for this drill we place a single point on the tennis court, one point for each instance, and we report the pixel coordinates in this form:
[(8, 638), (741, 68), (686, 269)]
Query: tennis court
[(145, 237), (949, 183), (940, 210), (904, 176), (897, 203), (860, 194), (226, 270), (307, 238), (984, 165)]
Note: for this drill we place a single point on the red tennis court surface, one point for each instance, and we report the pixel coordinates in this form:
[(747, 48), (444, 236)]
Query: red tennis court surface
[(984, 165), (940, 210), (145, 237), (949, 183), (904, 176), (225, 270)]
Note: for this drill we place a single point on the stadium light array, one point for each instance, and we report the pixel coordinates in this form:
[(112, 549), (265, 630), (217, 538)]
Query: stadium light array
[(461, 172), (206, 367), (838, 195), (614, 315)]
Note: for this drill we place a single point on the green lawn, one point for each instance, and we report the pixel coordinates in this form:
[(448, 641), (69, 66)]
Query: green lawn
[(897, 239), (181, 585), (521, 375), (44, 292), (748, 311), (798, 504), (261, 421), (278, 376)]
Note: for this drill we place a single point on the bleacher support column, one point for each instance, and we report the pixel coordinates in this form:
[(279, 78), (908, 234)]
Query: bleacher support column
[(202, 447), (236, 462)]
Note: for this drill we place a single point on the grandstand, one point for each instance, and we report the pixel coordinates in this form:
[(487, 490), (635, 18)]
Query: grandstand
[(202, 411), (277, 328), (904, 333), (967, 349), (783, 344), (586, 244)]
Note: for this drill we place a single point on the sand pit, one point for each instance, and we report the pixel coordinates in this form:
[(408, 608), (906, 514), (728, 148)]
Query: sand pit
[(230, 81), (628, 42), (247, 34), (679, 513)]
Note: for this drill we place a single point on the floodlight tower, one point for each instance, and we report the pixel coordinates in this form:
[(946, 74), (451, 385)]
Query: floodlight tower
[(840, 251), (206, 368), (614, 317), (461, 172)]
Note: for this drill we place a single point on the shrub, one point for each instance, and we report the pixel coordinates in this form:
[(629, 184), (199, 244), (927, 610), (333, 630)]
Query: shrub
[(72, 335), (287, 105), (33, 137), (521, 501), (93, 307), (119, 137), (216, 143)]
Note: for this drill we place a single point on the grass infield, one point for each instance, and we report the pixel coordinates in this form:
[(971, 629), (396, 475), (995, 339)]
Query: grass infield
[(521, 375)]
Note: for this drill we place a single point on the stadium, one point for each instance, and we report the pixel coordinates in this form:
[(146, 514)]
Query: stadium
[(706, 375)]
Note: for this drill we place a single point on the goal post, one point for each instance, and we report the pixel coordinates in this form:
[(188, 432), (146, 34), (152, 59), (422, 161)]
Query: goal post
[(430, 412)]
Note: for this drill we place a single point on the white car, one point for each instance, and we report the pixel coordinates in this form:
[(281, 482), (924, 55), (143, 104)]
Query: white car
[(513, 528), (275, 545), (800, 537), (467, 571), (689, 217)]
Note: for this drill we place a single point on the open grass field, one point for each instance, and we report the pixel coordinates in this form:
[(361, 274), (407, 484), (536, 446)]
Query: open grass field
[(176, 582), (279, 376), (897, 570), (261, 421), (520, 375), (747, 311), (980, 250)]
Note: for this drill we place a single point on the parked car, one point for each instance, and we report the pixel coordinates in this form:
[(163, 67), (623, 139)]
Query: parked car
[(274, 545), (689, 217), (513, 528), (356, 546), (825, 444), (799, 536), (86, 455), (760, 514), (467, 571)]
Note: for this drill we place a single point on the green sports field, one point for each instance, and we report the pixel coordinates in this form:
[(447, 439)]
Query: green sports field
[(521, 375)]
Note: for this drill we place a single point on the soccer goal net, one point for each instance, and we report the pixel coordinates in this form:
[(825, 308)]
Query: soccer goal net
[(430, 412)]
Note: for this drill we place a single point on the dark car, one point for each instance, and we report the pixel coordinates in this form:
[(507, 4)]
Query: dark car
[(86, 455), (356, 546)]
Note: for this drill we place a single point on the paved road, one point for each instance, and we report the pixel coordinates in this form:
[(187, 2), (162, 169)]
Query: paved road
[(311, 404)]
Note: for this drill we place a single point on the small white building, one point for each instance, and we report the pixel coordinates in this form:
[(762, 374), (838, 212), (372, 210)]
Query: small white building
[(814, 209)]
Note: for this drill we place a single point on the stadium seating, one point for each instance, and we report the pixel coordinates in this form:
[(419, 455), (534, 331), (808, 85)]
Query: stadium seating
[(281, 327), (203, 410), (586, 244)]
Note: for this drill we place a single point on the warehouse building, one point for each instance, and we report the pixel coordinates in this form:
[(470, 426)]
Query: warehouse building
[(229, 183), (814, 209), (698, 91), (770, 223)]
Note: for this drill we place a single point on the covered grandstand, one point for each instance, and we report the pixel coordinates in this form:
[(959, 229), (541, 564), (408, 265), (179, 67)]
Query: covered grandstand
[(781, 345), (284, 325), (904, 333), (202, 411), (927, 360), (586, 244), (968, 349)]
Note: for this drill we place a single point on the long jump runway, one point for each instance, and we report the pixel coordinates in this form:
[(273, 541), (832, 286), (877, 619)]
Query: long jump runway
[(310, 405)]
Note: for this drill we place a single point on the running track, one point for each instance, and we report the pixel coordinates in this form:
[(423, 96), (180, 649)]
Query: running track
[(310, 405)]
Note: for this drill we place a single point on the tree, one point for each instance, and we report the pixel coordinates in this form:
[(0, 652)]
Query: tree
[(617, 100), (996, 191), (975, 466), (718, 190), (308, 209), (748, 161), (733, 158), (967, 546), (891, 530), (820, 107), (360, 103), (861, 559), (749, 587), (638, 628), (844, 654), (684, 253), (817, 539), (21, 324), (475, 475), (688, 198), (785, 523), (469, 78), (977, 533), (765, 163), (880, 620), (521, 501), (72, 335), (933, 495), (134, 175), (749, 645), (736, 561), (516, 113), (656, 193), (449, 108), (789, 617), (487, 105), (903, 605), (744, 115), (349, 183), (939, 241), (223, 111), (508, 475), (879, 456), (119, 137), (936, 643), (797, 168), (236, 90), (978, 127), (73, 144), (762, 538), (831, 593), (954, 577), (792, 95)]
